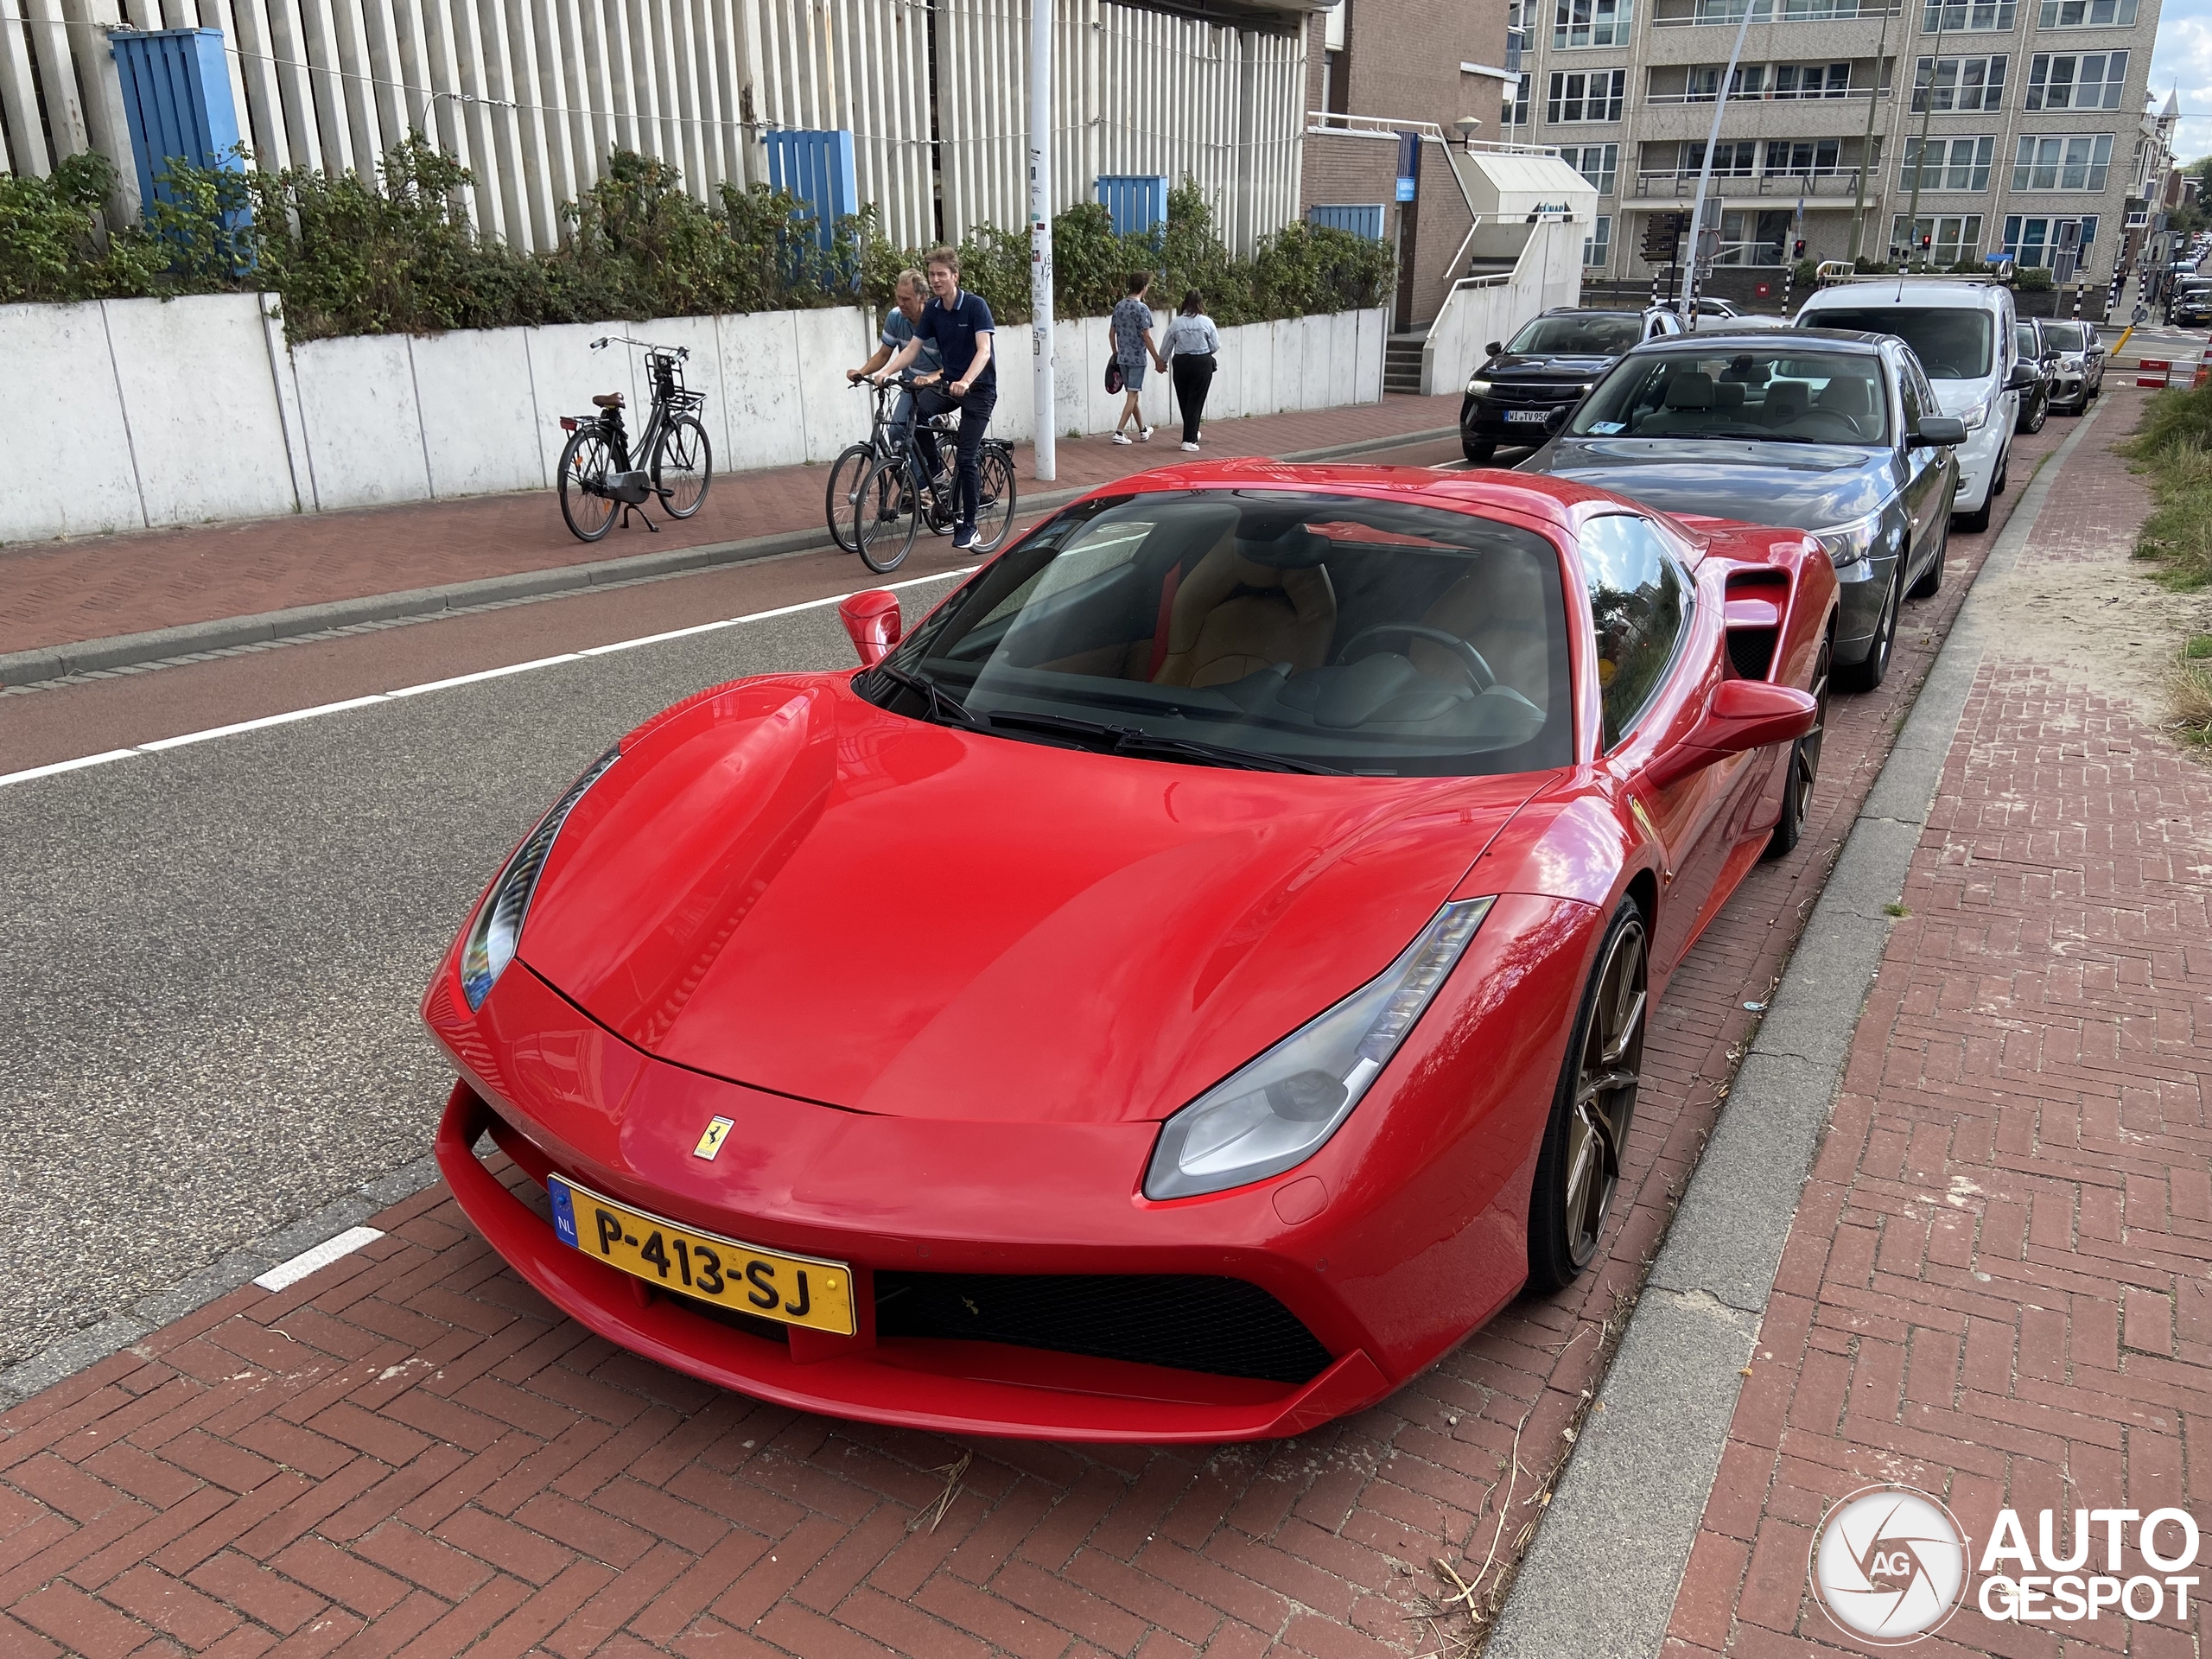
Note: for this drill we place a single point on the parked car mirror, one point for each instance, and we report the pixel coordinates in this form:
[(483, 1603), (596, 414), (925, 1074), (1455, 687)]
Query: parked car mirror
[(1495, 348), (1946, 431), (872, 623), (2022, 377), (1740, 715)]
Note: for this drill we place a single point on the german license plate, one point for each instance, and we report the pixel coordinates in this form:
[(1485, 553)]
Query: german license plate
[(768, 1284), (1532, 416)]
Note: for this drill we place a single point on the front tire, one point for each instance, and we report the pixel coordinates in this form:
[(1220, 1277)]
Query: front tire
[(1931, 579), (886, 514), (1804, 764), (837, 495), (2033, 421), (585, 462), (995, 498), (1866, 675), (683, 466), (1479, 453), (1579, 1165)]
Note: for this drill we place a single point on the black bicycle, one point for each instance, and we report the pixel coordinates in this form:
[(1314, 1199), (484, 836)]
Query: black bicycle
[(897, 496), (853, 463), (598, 477)]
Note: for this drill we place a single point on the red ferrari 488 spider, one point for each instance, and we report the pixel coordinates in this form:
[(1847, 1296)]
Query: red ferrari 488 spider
[(1174, 993)]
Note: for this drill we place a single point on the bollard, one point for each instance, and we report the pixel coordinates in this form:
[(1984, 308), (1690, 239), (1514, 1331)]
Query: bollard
[(1789, 275), (2078, 287)]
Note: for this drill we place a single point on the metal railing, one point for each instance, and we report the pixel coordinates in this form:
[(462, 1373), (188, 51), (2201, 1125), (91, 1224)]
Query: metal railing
[(1385, 126), (1766, 13), (1768, 96)]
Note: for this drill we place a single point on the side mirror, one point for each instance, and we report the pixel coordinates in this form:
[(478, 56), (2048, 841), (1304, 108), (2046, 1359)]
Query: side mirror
[(1740, 715), (872, 623), (1944, 430), (2022, 377), (1494, 349)]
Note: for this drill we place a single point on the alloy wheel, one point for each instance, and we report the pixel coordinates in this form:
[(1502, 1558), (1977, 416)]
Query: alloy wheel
[(1604, 1092)]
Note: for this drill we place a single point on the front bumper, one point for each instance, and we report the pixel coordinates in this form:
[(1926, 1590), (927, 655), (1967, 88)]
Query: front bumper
[(1978, 456), (1488, 420)]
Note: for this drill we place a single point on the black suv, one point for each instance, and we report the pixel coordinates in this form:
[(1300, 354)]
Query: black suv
[(1528, 384)]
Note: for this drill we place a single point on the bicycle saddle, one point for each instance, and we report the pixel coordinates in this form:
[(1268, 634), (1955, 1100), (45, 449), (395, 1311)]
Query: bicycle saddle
[(608, 399)]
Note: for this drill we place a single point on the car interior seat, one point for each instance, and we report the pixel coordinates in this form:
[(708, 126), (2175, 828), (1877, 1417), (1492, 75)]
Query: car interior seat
[(1249, 604), (1851, 397), (1787, 401), (1688, 406), (1498, 608)]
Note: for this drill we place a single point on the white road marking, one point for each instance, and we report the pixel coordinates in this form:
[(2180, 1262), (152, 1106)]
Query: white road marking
[(161, 744), (291, 1272)]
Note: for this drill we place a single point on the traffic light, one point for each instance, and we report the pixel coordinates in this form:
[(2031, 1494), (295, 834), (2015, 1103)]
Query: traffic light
[(1927, 239), (1663, 236), (1798, 249)]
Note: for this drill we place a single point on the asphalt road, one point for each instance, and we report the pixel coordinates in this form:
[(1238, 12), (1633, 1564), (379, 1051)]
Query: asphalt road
[(214, 953)]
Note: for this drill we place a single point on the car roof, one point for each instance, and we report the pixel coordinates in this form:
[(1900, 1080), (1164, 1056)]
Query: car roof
[(1592, 311), (1963, 295), (1712, 340)]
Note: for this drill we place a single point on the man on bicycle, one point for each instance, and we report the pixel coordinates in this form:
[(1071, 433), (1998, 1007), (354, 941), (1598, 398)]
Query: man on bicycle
[(960, 325), (913, 293)]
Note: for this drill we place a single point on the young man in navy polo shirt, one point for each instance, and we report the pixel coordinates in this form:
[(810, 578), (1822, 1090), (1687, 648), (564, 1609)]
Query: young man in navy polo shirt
[(961, 326)]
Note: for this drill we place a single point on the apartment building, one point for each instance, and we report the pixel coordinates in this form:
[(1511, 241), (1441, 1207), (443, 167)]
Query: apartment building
[(1961, 127)]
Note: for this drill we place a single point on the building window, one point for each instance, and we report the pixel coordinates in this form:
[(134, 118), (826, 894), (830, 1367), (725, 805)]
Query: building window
[(2032, 240), (1589, 22), (1753, 238), (1801, 157), (1597, 162), (1812, 80), (1731, 159), (1956, 16), (1514, 106), (1960, 84), (1951, 238), (1952, 165), (2086, 80), (1598, 246), (2077, 162), (1593, 97), (2087, 14)]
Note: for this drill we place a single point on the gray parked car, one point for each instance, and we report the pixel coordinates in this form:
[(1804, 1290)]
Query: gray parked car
[(2080, 375), (1818, 429)]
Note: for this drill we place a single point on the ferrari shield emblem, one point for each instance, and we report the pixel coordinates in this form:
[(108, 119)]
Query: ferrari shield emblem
[(710, 1143)]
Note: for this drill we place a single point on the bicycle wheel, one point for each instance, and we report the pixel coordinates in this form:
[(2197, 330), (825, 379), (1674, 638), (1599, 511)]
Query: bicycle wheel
[(995, 498), (684, 465), (585, 463), (845, 475), (886, 515)]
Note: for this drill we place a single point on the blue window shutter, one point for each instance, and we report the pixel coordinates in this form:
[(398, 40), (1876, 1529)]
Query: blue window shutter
[(1137, 202), (176, 98), (816, 166), (1362, 219)]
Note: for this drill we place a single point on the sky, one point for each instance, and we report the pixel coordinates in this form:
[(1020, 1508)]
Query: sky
[(2182, 57)]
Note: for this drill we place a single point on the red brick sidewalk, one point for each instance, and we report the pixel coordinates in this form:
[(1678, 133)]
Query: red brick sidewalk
[(409, 1452), (54, 593), (1996, 1287)]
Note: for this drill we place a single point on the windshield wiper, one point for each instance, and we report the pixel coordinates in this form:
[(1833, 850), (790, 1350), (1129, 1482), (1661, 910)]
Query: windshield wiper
[(1132, 740), (941, 702)]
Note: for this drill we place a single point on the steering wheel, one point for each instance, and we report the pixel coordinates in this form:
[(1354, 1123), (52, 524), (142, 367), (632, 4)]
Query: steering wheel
[(1478, 672), (1835, 416)]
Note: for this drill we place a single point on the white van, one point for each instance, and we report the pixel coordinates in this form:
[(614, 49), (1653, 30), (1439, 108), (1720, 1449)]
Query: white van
[(1961, 328)]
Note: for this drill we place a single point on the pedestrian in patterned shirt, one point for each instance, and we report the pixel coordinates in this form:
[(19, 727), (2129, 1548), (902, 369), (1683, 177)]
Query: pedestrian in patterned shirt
[(1132, 331)]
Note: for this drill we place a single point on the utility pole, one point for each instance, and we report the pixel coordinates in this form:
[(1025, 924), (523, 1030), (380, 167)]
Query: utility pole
[(1705, 173), (1044, 451), (1867, 143), (1927, 112)]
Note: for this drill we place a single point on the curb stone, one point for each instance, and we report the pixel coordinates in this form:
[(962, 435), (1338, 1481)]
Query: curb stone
[(1638, 1483), (24, 668)]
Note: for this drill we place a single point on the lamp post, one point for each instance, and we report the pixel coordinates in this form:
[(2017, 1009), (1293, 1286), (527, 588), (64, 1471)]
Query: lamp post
[(1867, 141), (1705, 173), (1045, 449), (1927, 113)]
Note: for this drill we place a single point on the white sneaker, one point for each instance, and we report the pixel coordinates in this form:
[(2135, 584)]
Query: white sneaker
[(1122, 437), (1192, 448), (1145, 436)]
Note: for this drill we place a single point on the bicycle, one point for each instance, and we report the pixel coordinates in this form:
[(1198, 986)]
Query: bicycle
[(597, 473), (895, 499), (852, 464)]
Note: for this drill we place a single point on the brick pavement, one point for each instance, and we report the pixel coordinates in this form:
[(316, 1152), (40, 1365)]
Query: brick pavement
[(54, 593), (409, 1452), (1997, 1286)]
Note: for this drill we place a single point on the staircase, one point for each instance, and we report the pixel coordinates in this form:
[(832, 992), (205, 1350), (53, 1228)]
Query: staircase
[(1401, 362)]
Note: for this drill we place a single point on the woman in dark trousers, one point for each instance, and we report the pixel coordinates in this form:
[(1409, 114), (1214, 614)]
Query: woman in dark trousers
[(1189, 346)]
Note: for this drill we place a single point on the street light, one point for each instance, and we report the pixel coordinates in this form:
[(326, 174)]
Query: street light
[(1867, 143), (1927, 113)]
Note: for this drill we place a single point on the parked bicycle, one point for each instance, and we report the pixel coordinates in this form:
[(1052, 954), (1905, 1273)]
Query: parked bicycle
[(897, 496), (598, 475)]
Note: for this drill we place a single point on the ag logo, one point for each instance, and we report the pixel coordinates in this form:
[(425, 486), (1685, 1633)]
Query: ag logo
[(1889, 1565)]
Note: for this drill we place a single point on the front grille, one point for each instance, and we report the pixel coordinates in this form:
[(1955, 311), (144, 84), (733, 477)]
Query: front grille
[(1535, 394), (1223, 1326)]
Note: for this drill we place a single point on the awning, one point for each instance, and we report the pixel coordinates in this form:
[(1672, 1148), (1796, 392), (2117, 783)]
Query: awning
[(1507, 185)]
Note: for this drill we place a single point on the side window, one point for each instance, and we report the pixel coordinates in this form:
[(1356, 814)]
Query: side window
[(1909, 392), (1639, 605)]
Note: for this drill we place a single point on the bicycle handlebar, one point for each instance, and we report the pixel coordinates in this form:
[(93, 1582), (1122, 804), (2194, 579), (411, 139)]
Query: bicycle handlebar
[(683, 352)]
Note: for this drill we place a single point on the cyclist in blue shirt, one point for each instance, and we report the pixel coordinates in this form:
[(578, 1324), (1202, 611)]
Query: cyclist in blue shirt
[(959, 324), (913, 291)]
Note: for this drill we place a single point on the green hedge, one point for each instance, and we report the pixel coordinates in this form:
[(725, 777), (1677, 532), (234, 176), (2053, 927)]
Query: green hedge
[(396, 252)]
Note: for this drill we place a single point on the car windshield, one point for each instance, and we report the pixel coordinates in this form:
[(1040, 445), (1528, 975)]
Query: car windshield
[(2067, 336), (1277, 629), (1952, 342), (1782, 393), (1584, 333)]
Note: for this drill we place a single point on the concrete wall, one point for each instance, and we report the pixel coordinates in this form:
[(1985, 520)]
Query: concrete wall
[(1549, 273), (186, 410)]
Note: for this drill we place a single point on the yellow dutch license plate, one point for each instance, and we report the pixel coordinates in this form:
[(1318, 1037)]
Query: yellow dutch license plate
[(768, 1284)]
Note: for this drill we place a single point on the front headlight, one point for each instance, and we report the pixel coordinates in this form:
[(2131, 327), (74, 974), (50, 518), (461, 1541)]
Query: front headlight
[(497, 930), (1281, 1108), (2071, 363), (1975, 415), (1478, 387), (1848, 543)]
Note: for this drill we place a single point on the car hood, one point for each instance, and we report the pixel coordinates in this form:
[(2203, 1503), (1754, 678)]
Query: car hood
[(1957, 396), (1520, 365), (785, 886), (1799, 485)]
